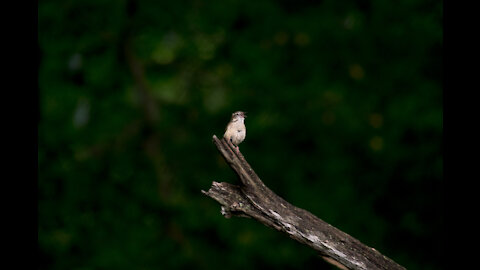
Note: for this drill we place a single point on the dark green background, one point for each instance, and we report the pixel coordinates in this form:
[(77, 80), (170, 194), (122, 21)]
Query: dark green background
[(344, 102)]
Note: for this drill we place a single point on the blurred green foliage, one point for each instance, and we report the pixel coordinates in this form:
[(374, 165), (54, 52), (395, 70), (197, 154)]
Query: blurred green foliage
[(345, 120)]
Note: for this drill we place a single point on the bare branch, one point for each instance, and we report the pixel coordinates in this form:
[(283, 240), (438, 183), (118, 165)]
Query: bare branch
[(255, 200)]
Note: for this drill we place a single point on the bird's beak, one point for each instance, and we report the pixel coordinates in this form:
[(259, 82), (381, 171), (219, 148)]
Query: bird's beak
[(245, 114)]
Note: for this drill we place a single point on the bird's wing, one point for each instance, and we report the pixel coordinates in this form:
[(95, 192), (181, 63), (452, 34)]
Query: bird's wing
[(226, 129)]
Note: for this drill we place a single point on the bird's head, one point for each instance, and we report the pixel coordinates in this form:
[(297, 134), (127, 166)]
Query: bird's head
[(239, 115)]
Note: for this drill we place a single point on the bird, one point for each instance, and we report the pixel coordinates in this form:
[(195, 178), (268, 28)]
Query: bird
[(236, 130)]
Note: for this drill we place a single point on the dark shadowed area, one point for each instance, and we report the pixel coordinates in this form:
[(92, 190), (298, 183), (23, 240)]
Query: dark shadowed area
[(344, 103)]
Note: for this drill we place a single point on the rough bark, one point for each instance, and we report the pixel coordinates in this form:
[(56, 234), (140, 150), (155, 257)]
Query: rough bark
[(253, 199)]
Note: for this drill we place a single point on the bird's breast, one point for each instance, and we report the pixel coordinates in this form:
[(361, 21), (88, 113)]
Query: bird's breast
[(236, 133)]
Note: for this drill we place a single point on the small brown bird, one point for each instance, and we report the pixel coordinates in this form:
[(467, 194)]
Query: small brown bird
[(236, 130)]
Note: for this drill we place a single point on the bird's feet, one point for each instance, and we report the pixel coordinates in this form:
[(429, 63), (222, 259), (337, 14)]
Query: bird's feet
[(235, 147)]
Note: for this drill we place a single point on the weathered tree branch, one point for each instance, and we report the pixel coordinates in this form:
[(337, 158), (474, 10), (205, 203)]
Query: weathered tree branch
[(253, 199)]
